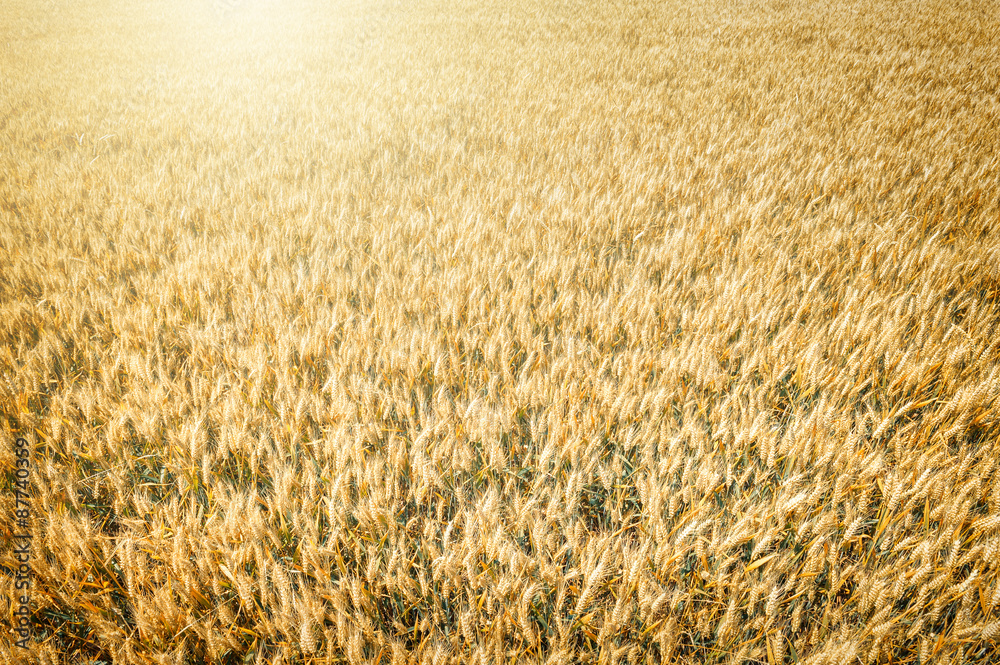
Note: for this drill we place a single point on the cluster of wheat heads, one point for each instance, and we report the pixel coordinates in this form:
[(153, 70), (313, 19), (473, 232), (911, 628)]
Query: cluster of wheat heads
[(503, 332)]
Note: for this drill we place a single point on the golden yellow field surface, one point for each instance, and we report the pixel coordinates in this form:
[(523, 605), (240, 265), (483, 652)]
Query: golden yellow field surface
[(499, 332)]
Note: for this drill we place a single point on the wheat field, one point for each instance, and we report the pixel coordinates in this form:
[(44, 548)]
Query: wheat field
[(501, 332)]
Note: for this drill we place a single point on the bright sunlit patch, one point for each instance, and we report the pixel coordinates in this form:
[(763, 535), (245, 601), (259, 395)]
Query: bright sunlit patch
[(225, 9), (229, 39)]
